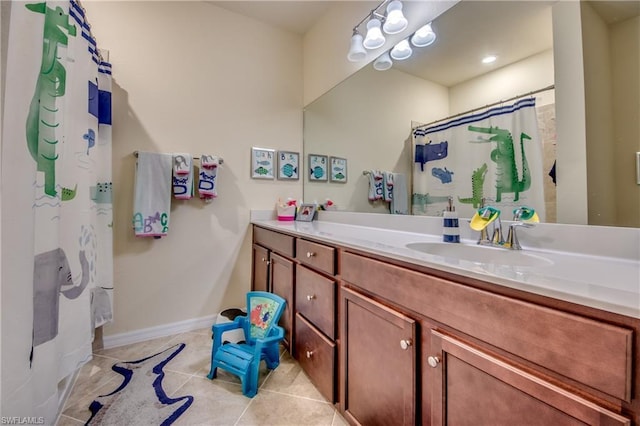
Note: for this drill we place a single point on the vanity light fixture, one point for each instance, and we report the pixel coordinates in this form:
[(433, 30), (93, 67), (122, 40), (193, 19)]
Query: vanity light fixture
[(395, 21), (383, 62), (356, 51), (424, 36), (401, 51), (374, 37), (489, 59)]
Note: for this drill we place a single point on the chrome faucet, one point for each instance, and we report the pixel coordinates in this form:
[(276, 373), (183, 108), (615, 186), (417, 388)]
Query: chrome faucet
[(512, 237), (522, 217)]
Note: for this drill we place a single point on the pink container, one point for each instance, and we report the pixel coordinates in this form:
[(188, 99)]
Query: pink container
[(286, 214)]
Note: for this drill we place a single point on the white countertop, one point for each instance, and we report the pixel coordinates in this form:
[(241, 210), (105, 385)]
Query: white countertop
[(608, 283)]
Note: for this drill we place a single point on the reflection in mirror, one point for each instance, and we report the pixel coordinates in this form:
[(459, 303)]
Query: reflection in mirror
[(368, 118)]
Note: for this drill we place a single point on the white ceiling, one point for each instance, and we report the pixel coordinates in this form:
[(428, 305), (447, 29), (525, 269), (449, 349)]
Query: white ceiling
[(294, 16), (512, 30)]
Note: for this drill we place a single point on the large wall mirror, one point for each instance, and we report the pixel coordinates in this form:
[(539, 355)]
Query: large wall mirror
[(367, 119)]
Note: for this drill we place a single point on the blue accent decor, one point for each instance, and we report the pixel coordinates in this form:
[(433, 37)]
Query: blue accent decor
[(127, 370), (262, 338), (93, 99), (524, 103), (104, 101)]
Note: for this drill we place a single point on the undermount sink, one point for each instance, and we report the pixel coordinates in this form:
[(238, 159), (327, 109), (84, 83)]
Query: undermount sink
[(481, 254)]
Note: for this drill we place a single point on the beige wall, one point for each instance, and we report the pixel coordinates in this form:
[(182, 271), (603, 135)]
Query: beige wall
[(367, 119), (625, 59), (527, 75), (599, 118), (570, 113), (192, 77)]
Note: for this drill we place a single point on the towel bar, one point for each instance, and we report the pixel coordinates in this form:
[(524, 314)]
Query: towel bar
[(135, 154)]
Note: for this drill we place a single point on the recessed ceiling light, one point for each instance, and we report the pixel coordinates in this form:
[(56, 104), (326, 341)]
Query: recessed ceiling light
[(489, 59)]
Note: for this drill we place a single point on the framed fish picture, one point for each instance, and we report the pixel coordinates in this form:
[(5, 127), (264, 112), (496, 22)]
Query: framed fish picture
[(338, 169), (262, 163), (288, 165), (318, 167)]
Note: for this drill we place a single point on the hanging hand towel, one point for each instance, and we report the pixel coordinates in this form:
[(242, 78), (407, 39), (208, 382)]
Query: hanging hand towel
[(207, 188), (182, 176), (400, 202), (152, 194), (387, 186), (375, 185)]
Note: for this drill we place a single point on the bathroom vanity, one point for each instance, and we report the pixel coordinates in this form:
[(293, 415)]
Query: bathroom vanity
[(394, 334)]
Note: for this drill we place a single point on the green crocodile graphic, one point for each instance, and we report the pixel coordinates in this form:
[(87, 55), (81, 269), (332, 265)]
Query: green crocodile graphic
[(42, 120), (477, 187), (504, 157)]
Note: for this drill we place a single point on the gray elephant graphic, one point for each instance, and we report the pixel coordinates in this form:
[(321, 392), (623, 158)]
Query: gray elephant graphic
[(52, 277)]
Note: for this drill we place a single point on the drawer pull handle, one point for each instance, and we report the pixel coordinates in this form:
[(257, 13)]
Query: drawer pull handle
[(405, 343), (309, 354), (433, 361), (310, 254), (264, 259), (311, 297)]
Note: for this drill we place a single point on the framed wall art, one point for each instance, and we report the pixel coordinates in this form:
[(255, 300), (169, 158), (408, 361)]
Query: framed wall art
[(338, 169), (262, 163), (288, 165), (306, 212), (318, 167)]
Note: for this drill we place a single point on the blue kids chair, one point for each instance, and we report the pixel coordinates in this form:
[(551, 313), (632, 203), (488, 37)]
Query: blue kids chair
[(262, 338)]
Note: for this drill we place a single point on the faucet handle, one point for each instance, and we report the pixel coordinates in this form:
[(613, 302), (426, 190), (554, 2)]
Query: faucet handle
[(525, 214)]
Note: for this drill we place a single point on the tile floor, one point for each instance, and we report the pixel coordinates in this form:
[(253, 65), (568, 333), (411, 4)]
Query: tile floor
[(285, 396)]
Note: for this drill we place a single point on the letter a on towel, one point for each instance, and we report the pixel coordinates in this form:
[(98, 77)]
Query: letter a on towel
[(152, 194)]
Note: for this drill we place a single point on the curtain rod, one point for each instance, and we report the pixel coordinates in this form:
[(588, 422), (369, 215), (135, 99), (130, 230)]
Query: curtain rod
[(544, 89), (135, 154)]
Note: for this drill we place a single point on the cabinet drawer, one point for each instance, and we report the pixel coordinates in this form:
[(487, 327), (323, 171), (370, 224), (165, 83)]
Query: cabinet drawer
[(316, 300), (591, 352), (316, 255), (316, 355), (283, 244)]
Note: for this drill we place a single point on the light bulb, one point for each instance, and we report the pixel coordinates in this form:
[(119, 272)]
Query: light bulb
[(374, 38), (401, 50), (395, 21), (424, 36), (356, 51), (383, 62)]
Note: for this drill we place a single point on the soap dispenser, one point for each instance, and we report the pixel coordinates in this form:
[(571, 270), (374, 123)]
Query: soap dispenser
[(451, 227)]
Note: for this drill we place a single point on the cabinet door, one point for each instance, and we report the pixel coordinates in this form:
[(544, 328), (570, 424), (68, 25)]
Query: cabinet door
[(260, 272), (474, 387), (378, 356), (282, 277)]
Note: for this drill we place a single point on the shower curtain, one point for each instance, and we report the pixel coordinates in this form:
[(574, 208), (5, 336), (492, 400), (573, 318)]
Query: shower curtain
[(57, 160), (495, 155)]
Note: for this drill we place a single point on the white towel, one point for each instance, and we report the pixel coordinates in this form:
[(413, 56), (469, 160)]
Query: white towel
[(152, 194), (400, 202), (387, 186), (375, 185), (207, 185), (182, 176)]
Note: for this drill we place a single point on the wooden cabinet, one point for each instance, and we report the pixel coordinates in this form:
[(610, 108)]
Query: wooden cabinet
[(282, 279), (316, 299), (317, 356), (474, 387), (395, 343), (315, 307), (318, 256), (260, 269), (273, 270), (378, 355)]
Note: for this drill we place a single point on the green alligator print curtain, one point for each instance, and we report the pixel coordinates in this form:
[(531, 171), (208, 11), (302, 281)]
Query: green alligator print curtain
[(495, 155), (56, 164)]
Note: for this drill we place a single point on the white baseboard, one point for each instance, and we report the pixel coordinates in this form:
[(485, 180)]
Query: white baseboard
[(137, 336)]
